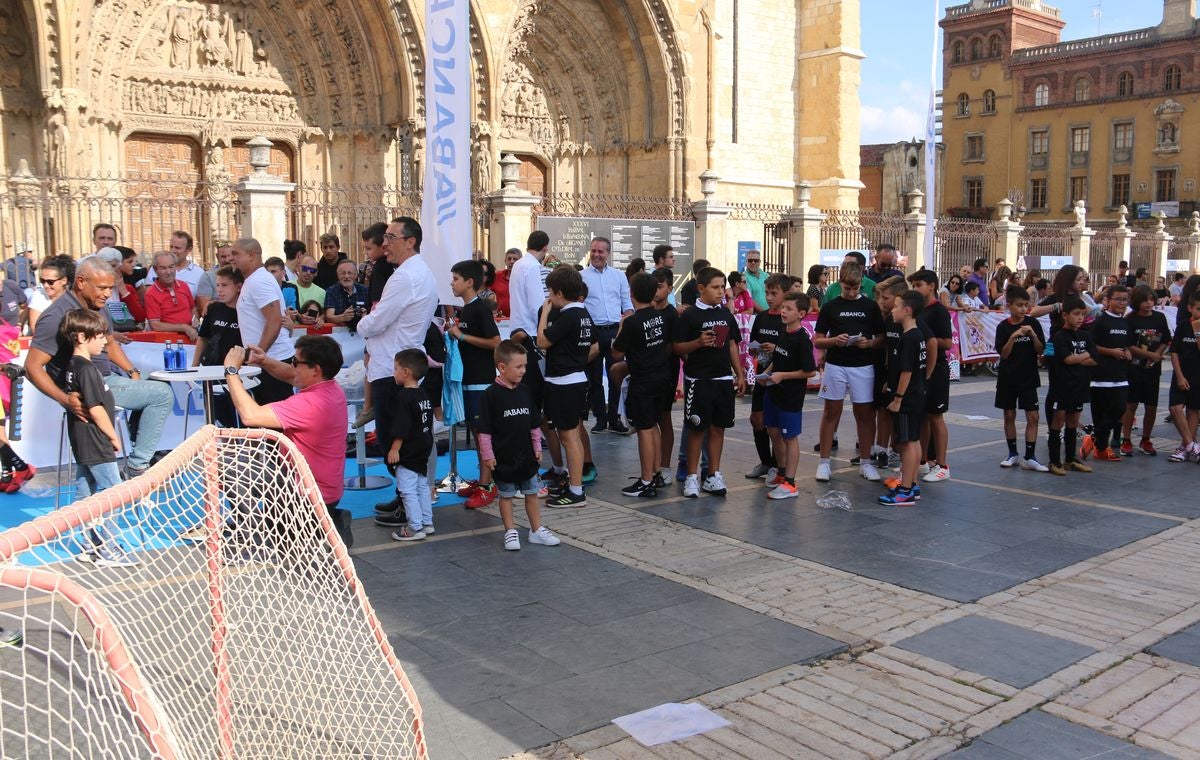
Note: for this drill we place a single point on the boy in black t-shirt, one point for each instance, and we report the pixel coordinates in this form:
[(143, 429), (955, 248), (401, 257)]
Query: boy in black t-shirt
[(510, 443), (707, 339), (786, 381), (1151, 335), (568, 344), (217, 334), (886, 293), (1020, 341), (94, 440), (1185, 381), (906, 383), (412, 441), (644, 342), (477, 335), (664, 280), (1069, 357), (935, 438), (1110, 378), (765, 331)]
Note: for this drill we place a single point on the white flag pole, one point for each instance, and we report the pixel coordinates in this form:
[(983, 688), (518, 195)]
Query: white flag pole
[(931, 152)]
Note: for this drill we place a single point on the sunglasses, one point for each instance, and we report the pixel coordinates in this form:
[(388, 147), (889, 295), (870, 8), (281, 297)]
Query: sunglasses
[(753, 261), (310, 270), (297, 362), (51, 282)]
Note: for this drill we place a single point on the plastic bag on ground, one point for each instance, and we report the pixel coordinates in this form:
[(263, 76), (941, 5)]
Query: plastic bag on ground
[(835, 500)]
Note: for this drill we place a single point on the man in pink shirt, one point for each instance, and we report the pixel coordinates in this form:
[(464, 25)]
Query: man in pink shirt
[(314, 418), (170, 305)]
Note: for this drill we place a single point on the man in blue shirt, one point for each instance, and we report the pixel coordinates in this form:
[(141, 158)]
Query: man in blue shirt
[(346, 300), (607, 301)]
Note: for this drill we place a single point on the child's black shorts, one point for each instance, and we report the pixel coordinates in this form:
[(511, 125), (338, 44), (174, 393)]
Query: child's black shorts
[(1143, 385), (906, 426), (937, 390), (757, 397), (1067, 406), (645, 402), (566, 405), (1010, 396), (708, 403), (1189, 399)]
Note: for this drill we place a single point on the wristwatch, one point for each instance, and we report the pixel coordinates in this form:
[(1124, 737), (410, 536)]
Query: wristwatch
[(230, 370)]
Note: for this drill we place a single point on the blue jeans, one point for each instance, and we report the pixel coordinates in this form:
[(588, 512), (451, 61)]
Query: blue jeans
[(154, 399), (93, 478), (418, 501)]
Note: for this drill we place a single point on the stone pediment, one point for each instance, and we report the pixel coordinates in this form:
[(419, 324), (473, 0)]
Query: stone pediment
[(1168, 107)]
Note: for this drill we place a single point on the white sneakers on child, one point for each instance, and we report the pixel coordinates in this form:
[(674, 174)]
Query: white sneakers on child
[(542, 536), (1034, 465), (1010, 461), (822, 475)]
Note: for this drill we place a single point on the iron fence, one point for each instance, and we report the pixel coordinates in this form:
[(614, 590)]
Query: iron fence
[(861, 230), (1040, 241), (1143, 252), (1105, 253), (611, 206), (775, 246), (768, 213), (959, 242)]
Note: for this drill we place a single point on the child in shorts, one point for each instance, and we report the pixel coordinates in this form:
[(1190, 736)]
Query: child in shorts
[(886, 293), (1019, 341), (786, 381), (1069, 359), (1185, 383), (1110, 378), (906, 384), (412, 441), (765, 330), (1150, 338), (510, 424), (477, 335)]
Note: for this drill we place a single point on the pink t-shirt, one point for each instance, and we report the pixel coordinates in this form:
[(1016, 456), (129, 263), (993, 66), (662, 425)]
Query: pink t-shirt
[(315, 420)]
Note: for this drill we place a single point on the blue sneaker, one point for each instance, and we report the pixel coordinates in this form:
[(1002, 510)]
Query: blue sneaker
[(898, 497), (589, 474), (916, 491)]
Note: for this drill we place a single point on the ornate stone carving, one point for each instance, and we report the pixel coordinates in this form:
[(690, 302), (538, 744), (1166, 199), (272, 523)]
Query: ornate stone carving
[(209, 102), (524, 111), (202, 41)]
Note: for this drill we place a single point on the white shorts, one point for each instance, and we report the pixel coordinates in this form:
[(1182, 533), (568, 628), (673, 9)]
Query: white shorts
[(860, 381)]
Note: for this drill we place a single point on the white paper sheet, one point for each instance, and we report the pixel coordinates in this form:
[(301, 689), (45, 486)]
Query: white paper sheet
[(670, 722)]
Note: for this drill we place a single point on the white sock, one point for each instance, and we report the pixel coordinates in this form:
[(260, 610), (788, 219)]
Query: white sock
[(825, 462), (577, 490), (876, 448), (560, 470)]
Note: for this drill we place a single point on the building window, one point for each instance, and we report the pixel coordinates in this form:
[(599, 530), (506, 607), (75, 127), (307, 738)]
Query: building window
[(1041, 95), (1078, 189), (1122, 136), (994, 46), (1125, 84), (989, 101), (976, 49), (974, 147), (1164, 185), (1083, 89), (1168, 134), (1172, 78), (958, 52), (1081, 139), (1120, 189), (973, 192), (1040, 142), (964, 104), (1037, 193)]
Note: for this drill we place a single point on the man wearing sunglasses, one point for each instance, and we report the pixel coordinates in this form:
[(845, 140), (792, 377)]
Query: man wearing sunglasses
[(756, 280), (309, 291)]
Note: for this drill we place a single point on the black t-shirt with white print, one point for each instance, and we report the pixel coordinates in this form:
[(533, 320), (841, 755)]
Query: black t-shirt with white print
[(475, 319), (842, 316), (645, 339), (412, 422), (709, 362), (1110, 331), (1021, 364), (1069, 382), (911, 355), (508, 415), (571, 336), (793, 351)]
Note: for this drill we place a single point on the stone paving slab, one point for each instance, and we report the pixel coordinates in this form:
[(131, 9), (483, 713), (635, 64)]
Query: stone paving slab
[(1183, 646), (1038, 736)]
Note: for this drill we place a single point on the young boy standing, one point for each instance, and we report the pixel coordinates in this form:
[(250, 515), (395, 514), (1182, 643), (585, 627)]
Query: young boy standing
[(644, 341), (412, 440), (1185, 382), (786, 383), (509, 423), (1070, 360), (662, 302), (1151, 336), (1110, 378), (1020, 341), (765, 330), (936, 438), (94, 441), (906, 383), (707, 339)]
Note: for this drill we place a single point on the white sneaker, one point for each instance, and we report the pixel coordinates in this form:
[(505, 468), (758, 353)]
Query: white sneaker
[(691, 486), (543, 536), (1033, 464), (1010, 461), (869, 471), (758, 471), (924, 468), (822, 473), (893, 460), (783, 491), (772, 473), (512, 540), (714, 484), (936, 474)]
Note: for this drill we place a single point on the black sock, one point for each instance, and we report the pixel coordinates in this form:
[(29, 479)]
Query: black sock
[(1012, 446), (6, 456), (790, 481), (1030, 449), (762, 444), (1103, 434), (1055, 446), (1070, 443)]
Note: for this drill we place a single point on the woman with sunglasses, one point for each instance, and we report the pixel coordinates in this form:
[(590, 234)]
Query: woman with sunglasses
[(56, 274)]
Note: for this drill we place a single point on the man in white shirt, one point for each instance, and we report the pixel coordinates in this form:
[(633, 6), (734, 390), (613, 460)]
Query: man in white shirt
[(260, 317), (527, 284), (607, 302), (186, 270)]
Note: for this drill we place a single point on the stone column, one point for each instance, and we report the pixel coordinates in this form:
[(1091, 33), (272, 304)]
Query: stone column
[(262, 199), (804, 232), (1162, 244), (914, 230), (511, 217), (1194, 242), (1007, 244), (711, 217)]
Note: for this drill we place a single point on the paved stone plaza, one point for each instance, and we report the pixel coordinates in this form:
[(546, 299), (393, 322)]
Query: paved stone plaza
[(1009, 615)]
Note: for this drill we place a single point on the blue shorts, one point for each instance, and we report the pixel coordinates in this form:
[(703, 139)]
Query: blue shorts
[(528, 487), (789, 423), (471, 401)]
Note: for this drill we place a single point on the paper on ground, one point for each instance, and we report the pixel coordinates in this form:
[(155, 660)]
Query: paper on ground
[(670, 722), (976, 417)]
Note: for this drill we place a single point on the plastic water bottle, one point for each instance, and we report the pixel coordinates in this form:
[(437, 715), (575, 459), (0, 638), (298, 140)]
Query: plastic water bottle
[(181, 362), (168, 357)]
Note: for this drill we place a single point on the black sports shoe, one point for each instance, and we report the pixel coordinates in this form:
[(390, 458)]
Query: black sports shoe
[(832, 447), (389, 507), (881, 459), (638, 488), (396, 519), (567, 500), (856, 461), (659, 481), (599, 427), (619, 428)]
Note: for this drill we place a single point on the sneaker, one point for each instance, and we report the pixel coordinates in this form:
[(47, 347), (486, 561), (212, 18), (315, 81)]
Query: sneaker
[(1193, 454), (1078, 466), (19, 478), (868, 471), (714, 484), (900, 497), (389, 507), (365, 416), (620, 428), (194, 535), (1088, 447), (659, 481), (1126, 447), (1108, 455), (893, 460), (590, 473), (1180, 455), (822, 475), (881, 459), (467, 488), (512, 540), (406, 533), (543, 537), (1012, 460), (428, 530), (937, 473), (773, 481), (784, 490), (567, 500), (482, 497), (11, 639), (832, 447), (691, 487), (640, 489), (106, 555), (773, 475), (758, 471), (396, 519), (1057, 469), (924, 469), (1034, 465), (1147, 448), (130, 472), (856, 461), (599, 427), (891, 482), (915, 490)]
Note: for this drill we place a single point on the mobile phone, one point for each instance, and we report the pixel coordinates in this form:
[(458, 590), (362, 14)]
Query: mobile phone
[(853, 339)]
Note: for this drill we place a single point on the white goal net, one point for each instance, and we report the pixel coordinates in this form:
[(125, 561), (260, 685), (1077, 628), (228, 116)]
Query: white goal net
[(207, 609)]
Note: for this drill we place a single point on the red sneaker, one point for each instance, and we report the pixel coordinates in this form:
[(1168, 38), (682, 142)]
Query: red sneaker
[(482, 497), (468, 488), (19, 478), (1126, 448), (1088, 447), (1108, 455), (1148, 448)]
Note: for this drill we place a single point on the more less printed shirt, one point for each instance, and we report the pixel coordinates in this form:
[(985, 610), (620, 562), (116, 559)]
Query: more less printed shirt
[(793, 351), (645, 339), (1149, 334), (891, 344), (1021, 365), (841, 316), (710, 362), (220, 332), (1069, 382), (312, 292), (412, 422), (1109, 331), (571, 335), (45, 338), (912, 355), (311, 419), (479, 366), (508, 415), (937, 318), (174, 306), (88, 443)]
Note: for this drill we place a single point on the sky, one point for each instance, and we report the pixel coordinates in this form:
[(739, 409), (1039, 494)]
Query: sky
[(897, 36)]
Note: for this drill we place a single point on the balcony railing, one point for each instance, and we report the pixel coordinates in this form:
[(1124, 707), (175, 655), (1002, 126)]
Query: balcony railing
[(991, 5), (1089, 45)]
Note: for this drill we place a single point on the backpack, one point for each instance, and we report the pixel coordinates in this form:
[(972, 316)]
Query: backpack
[(20, 270)]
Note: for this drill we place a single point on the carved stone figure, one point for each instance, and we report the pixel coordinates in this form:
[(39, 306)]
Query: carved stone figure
[(1080, 214), (243, 57), (151, 52), (182, 36), (483, 166), (216, 38), (58, 139)]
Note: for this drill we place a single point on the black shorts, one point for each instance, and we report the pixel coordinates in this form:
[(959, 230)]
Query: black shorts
[(1189, 399), (882, 398), (566, 405), (433, 386), (1143, 385), (1009, 396), (906, 427), (1064, 405), (937, 390), (758, 397), (644, 403), (708, 403)]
